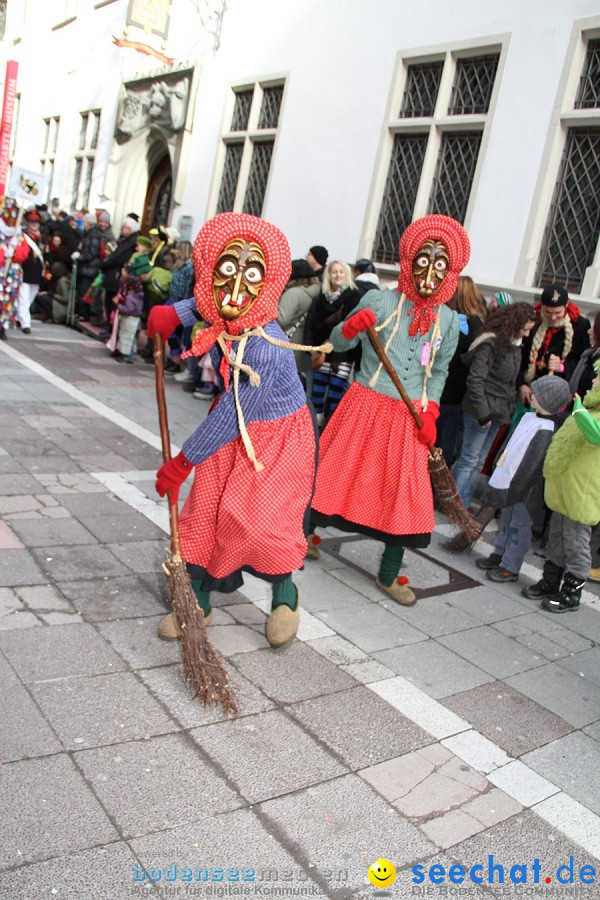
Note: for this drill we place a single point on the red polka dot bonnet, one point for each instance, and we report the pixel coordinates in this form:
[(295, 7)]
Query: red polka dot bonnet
[(453, 235), (212, 239)]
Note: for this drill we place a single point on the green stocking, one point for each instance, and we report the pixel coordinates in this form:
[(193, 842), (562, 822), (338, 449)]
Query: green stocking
[(284, 593), (391, 562), (203, 597)]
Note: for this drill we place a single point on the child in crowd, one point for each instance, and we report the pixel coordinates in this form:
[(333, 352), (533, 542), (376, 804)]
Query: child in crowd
[(516, 486), (572, 492), (51, 303), (129, 302)]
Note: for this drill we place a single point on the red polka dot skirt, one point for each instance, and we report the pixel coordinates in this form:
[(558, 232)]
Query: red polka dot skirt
[(235, 517), (372, 469)]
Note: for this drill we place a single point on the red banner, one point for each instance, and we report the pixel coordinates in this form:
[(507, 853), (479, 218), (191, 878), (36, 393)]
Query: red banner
[(145, 49), (8, 111)]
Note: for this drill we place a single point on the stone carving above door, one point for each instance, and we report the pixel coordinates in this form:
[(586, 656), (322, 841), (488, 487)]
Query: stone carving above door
[(162, 102)]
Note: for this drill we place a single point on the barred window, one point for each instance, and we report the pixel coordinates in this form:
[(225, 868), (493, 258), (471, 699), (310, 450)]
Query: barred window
[(48, 155), (570, 238), (422, 86), (574, 221), (588, 95), (432, 164), (400, 194), (455, 169), (271, 104), (257, 181), (83, 168), (229, 180), (473, 84), (241, 110), (247, 148)]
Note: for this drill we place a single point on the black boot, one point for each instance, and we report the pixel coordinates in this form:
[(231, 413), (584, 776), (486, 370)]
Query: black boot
[(567, 598), (549, 584)]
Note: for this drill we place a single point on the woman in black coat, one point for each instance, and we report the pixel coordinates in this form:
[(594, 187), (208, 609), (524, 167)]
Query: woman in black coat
[(111, 266), (331, 372), (494, 362)]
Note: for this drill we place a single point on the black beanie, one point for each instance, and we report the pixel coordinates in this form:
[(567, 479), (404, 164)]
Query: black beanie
[(320, 254), (554, 295)]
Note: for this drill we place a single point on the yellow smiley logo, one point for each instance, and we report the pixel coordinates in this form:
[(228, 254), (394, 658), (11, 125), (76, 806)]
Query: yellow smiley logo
[(382, 873)]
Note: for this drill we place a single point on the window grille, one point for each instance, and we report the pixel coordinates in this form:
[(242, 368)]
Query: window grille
[(573, 227), (454, 174), (400, 193), (422, 86), (247, 158), (85, 158), (241, 110), (76, 182), (473, 85), (271, 105), (83, 130), (258, 177), (231, 171), (588, 95), (48, 156)]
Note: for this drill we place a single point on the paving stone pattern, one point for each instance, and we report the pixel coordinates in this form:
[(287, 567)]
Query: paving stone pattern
[(465, 727)]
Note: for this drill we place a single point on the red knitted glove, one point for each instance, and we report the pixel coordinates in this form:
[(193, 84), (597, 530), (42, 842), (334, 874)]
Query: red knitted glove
[(162, 320), (171, 475), (360, 321), (428, 433)]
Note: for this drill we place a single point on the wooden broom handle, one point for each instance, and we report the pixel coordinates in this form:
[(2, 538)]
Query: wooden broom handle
[(385, 360), (165, 438)]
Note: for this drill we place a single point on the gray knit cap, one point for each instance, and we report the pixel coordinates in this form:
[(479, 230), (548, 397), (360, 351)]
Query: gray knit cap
[(552, 392)]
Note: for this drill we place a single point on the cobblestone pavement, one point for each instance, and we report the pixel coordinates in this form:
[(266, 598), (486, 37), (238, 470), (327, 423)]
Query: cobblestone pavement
[(464, 731)]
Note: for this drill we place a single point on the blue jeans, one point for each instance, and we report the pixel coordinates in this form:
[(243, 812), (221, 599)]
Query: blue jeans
[(476, 443), (448, 431), (514, 538)]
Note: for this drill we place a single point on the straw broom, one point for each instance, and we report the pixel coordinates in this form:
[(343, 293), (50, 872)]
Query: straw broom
[(441, 477), (204, 669)]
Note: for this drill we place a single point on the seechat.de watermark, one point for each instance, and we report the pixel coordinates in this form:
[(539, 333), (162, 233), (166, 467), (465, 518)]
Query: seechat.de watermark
[(492, 872)]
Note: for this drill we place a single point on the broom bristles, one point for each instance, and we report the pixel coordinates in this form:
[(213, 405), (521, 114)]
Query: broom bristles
[(459, 543), (203, 667), (449, 499)]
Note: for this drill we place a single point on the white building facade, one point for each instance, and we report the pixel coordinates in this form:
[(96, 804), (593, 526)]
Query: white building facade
[(337, 120)]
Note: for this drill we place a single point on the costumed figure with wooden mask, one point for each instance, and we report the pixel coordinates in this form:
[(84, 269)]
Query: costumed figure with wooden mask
[(254, 456), (373, 470)]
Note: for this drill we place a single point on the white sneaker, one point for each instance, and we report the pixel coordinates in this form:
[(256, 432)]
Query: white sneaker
[(184, 377)]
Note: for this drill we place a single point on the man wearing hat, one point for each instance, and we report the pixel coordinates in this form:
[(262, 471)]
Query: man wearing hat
[(33, 269), (159, 240), (317, 258), (365, 276), (556, 343)]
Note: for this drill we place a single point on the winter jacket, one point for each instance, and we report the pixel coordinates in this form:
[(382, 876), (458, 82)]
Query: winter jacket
[(322, 318), (292, 311), (491, 382), (572, 465), (366, 282), (60, 299), (525, 453), (33, 265), (456, 383), (114, 262), (90, 255)]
